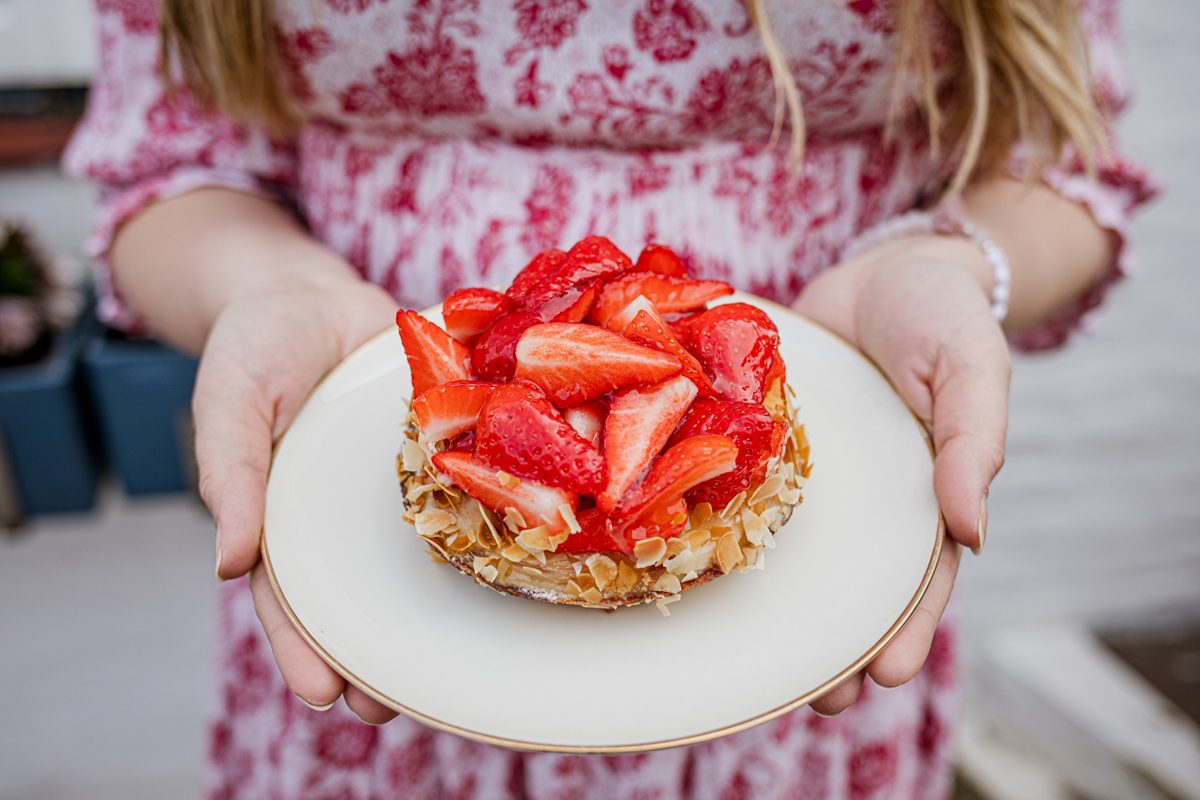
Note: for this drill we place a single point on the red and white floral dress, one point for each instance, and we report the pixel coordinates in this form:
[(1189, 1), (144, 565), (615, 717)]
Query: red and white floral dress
[(446, 142)]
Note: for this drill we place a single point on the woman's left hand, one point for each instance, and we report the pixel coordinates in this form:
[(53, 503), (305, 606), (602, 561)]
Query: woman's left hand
[(920, 308)]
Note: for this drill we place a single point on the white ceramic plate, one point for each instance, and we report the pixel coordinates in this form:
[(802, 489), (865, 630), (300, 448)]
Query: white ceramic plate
[(848, 569)]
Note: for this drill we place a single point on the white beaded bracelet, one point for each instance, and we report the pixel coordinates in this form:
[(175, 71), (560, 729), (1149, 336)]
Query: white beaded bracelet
[(948, 218)]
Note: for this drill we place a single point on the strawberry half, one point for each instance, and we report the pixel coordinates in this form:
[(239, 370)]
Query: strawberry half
[(597, 536), (538, 504), (649, 329), (736, 345), (542, 265), (494, 357), (686, 464), (573, 305), (450, 409), (573, 362), (661, 259), (588, 420), (594, 257), (434, 357), (669, 295), (469, 312), (521, 433), (750, 427), (640, 422)]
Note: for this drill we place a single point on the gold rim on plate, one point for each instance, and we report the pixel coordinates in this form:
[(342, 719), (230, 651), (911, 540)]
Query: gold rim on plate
[(685, 741)]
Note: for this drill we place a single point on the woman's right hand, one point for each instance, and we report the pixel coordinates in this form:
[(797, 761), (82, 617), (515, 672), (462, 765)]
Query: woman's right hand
[(264, 354)]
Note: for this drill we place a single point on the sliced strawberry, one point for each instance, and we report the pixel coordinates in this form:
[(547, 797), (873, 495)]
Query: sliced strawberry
[(686, 464), (669, 295), (622, 319), (667, 519), (778, 371), (538, 504), (469, 312), (736, 344), (661, 259), (573, 362), (588, 420), (494, 357), (434, 357), (521, 433), (450, 409), (594, 257), (640, 421), (573, 305), (597, 536), (649, 329), (542, 265), (750, 427), (463, 443)]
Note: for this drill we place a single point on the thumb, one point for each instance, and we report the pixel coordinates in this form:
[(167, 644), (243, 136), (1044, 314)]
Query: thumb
[(970, 421), (233, 451)]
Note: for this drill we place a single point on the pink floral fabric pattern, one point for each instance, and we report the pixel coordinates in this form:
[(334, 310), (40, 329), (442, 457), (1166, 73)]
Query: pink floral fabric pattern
[(447, 142)]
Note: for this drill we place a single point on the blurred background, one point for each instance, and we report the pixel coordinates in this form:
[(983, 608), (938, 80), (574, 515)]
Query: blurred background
[(1081, 619)]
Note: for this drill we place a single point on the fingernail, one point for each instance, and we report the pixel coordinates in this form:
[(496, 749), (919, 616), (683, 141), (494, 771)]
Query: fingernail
[(317, 708), (220, 553), (981, 525), (825, 716)]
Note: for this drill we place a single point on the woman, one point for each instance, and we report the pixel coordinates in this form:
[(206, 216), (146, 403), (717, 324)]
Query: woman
[(312, 163)]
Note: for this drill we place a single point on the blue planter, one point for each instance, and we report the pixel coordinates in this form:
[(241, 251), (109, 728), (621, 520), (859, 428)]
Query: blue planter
[(142, 394), (49, 447)]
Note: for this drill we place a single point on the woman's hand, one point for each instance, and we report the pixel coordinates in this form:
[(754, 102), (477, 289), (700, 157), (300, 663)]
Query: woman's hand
[(265, 352), (920, 308)]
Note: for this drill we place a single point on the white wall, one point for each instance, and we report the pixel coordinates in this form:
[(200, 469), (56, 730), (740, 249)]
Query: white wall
[(46, 42)]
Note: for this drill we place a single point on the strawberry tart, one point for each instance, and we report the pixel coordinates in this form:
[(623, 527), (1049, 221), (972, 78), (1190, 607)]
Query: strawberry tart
[(596, 435)]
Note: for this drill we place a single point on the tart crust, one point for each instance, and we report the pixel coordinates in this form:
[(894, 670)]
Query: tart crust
[(503, 554)]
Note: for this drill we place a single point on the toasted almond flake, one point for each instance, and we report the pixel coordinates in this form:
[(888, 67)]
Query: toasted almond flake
[(409, 517), (535, 539), (771, 516), (663, 602), (627, 577), (435, 557), (433, 521), (487, 519), (734, 505), (769, 488), (479, 562), (437, 545), (418, 490), (568, 515), (668, 582), (603, 570), (514, 520), (649, 551), (701, 512), (691, 576), (761, 563), (577, 566), (585, 579), (790, 496), (534, 571), (489, 573), (729, 552), (503, 568), (769, 540), (683, 563), (573, 589), (759, 507), (750, 554), (697, 537), (514, 553), (676, 546), (679, 518), (506, 480), (460, 544), (413, 456), (754, 527), (592, 595)]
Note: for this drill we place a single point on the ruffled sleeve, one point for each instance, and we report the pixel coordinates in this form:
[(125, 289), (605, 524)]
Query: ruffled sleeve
[(1122, 186), (140, 143)]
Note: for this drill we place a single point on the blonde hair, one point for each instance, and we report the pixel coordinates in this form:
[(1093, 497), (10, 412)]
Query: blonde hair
[(1021, 74)]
